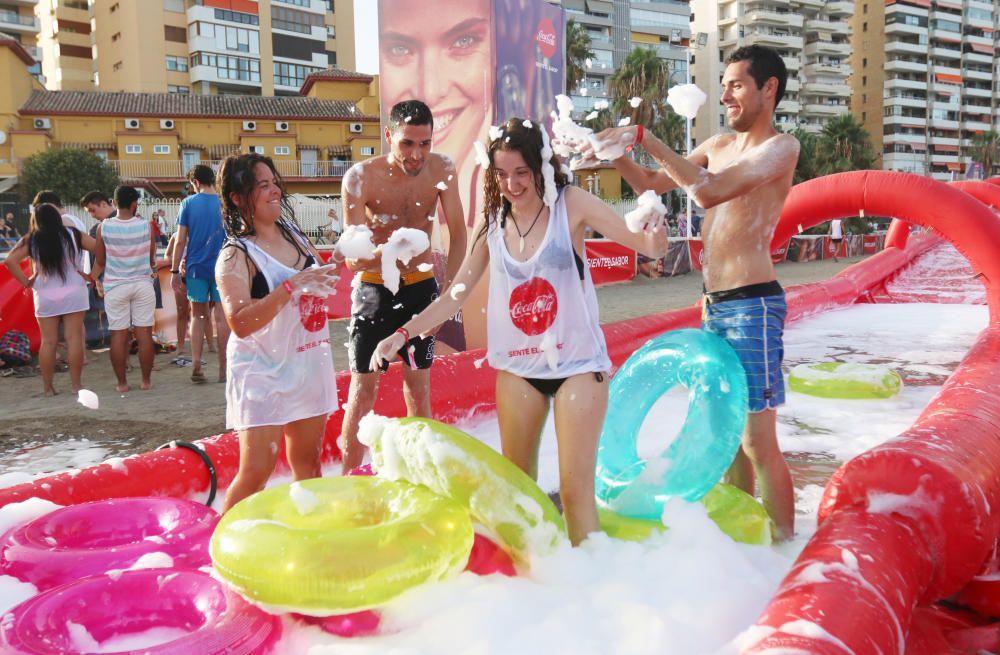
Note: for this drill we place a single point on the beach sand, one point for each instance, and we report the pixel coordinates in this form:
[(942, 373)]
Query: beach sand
[(178, 409)]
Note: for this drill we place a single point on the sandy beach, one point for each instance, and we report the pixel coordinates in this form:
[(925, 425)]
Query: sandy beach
[(176, 408)]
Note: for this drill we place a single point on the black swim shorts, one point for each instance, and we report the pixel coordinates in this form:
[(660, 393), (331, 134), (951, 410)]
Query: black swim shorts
[(376, 313)]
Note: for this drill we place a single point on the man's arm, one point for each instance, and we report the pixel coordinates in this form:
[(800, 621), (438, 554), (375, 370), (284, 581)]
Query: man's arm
[(454, 215), (100, 254), (768, 161), (353, 198)]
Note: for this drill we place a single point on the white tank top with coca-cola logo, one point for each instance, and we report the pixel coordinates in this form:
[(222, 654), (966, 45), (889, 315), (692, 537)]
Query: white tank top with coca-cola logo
[(542, 319), (282, 372)]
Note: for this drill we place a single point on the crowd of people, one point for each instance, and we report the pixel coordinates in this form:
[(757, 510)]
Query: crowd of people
[(248, 270)]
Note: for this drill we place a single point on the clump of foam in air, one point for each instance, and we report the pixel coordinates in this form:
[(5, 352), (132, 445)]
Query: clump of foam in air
[(648, 214), (686, 99)]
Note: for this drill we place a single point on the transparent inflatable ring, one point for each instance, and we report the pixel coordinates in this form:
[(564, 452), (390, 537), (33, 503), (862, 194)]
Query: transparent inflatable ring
[(708, 441)]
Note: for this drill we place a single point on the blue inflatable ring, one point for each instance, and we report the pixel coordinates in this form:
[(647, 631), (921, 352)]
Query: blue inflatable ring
[(708, 440)]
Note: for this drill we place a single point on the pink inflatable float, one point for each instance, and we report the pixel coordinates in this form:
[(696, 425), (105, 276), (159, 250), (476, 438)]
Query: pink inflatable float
[(82, 540), (152, 612)]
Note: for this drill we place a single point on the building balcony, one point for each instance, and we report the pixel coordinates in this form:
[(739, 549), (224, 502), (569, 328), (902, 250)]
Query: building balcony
[(13, 22), (773, 18), (898, 101), (811, 4), (792, 63), (788, 107), (834, 70), (817, 48), (314, 6), (822, 109), (892, 47), (947, 53), (917, 85), (774, 40), (902, 28), (977, 58), (171, 169), (947, 142), (906, 121), (977, 93), (840, 9), (977, 75), (977, 125), (819, 25), (211, 74), (826, 89), (792, 85)]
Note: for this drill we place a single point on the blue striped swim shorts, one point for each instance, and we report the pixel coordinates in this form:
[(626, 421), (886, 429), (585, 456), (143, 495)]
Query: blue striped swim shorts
[(754, 328)]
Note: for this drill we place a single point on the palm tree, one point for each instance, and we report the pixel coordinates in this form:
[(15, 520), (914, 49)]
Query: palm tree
[(985, 149), (844, 145), (671, 128), (806, 169), (577, 53), (643, 75)]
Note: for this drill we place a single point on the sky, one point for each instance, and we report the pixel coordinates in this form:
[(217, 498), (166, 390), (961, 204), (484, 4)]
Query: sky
[(366, 36)]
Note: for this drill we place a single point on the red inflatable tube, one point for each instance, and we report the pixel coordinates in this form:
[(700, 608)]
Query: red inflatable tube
[(988, 194), (17, 307), (851, 592), (939, 631), (943, 473)]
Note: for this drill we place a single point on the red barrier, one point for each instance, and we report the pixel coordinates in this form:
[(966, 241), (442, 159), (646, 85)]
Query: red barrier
[(17, 307), (610, 261)]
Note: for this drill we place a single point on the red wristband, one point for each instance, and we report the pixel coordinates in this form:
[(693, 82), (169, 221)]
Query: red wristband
[(288, 287), (640, 132), (405, 333)]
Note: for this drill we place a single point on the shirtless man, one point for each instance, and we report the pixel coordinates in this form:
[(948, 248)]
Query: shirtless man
[(742, 180), (401, 189)]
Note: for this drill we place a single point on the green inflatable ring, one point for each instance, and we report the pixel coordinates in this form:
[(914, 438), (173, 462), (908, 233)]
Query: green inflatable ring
[(337, 545), (736, 513), (845, 380), (451, 463)]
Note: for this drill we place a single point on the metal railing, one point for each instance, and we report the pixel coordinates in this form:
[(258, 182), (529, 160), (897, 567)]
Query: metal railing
[(177, 169)]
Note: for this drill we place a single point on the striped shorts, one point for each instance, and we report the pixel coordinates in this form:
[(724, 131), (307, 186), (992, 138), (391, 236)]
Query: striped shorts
[(754, 328)]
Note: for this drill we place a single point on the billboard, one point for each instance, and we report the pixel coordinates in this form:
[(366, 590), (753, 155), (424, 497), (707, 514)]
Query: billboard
[(475, 63)]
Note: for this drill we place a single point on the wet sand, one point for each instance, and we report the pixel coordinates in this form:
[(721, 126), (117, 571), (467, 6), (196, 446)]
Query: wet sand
[(176, 408)]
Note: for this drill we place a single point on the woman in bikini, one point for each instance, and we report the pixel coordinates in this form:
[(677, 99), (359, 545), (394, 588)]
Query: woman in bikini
[(543, 331), (281, 379)]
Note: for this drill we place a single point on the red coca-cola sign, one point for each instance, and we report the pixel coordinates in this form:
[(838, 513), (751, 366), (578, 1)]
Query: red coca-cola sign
[(312, 312), (533, 306), (545, 37)]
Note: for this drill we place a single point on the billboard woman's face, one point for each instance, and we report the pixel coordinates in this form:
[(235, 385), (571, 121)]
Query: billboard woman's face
[(439, 51)]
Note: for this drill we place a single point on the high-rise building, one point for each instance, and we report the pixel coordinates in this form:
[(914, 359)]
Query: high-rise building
[(18, 22), (813, 38), (926, 80), (616, 27), (251, 47)]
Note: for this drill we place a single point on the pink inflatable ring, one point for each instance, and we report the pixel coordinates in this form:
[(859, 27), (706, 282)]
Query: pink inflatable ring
[(90, 539), (151, 611)]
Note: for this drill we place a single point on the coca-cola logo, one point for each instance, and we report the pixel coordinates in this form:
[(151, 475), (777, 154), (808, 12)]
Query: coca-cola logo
[(312, 312), (533, 306), (545, 37)]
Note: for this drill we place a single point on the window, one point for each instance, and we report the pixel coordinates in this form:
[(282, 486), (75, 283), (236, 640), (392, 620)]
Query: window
[(291, 74), (237, 17), (227, 38), (179, 64), (297, 3), (331, 32), (368, 151), (103, 154), (161, 150), (257, 149), (229, 68), (175, 34), (864, 62), (282, 150), (133, 149), (294, 20), (176, 88), (116, 36), (114, 8), (117, 66), (864, 26)]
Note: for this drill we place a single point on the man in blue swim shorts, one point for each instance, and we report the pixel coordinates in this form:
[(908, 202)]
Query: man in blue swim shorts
[(741, 178)]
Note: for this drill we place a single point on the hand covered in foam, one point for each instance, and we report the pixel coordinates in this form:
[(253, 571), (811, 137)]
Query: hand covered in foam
[(648, 215), (686, 99), (403, 245), (356, 243), (319, 281)]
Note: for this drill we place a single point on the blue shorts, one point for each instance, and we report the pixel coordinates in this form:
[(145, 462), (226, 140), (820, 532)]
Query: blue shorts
[(201, 290), (754, 328)]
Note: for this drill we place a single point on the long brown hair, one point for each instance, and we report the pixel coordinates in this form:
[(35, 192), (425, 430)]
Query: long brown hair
[(49, 241), (527, 141)]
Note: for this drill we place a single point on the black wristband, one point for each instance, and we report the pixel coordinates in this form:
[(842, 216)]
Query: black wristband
[(175, 272)]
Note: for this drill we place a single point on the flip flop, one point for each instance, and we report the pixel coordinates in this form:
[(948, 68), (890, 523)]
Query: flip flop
[(198, 377)]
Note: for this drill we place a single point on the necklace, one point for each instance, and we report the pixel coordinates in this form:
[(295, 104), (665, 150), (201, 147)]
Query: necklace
[(530, 227)]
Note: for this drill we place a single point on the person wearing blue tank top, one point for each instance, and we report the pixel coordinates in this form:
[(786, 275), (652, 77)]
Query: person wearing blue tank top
[(543, 330)]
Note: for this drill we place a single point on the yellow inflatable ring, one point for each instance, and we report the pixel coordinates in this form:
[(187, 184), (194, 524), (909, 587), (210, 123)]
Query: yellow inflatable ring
[(845, 380), (736, 513), (452, 463), (338, 545)]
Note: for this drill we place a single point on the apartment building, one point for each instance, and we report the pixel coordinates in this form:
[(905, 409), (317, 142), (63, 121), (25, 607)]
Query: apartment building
[(926, 80), (18, 23), (813, 37), (616, 27), (205, 47)]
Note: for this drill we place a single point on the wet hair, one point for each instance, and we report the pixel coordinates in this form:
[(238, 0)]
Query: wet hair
[(46, 197), (94, 198), (410, 112), (765, 63), (125, 196), (49, 241), (238, 178), (202, 174), (527, 141)]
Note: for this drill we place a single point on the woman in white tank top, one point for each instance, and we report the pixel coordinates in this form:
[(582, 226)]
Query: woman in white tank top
[(59, 288), (543, 331), (280, 369)]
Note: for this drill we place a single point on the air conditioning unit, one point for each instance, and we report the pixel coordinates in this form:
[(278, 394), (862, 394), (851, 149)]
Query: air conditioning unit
[(42, 124), (355, 128), (166, 124), (257, 149), (249, 126), (131, 123), (281, 126)]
